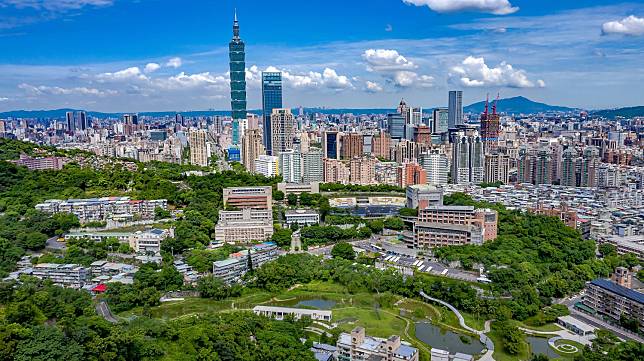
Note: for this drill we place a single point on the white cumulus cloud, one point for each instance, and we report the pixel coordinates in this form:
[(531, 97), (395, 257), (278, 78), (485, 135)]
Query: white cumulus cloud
[(328, 78), (395, 68), (372, 87), (55, 90), (631, 25), (189, 81), (473, 72), (54, 5), (151, 67), (386, 60), (125, 74), (174, 62), (496, 7)]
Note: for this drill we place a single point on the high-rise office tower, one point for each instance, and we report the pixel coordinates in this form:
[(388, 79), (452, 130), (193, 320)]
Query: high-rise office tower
[(198, 147), (396, 125), (331, 144), (436, 164), (237, 55), (416, 116), (252, 148), (290, 165), (81, 121), (468, 161), (455, 117), (69, 121), (497, 168), (271, 99), (283, 130), (403, 110), (440, 122), (312, 166), (569, 167)]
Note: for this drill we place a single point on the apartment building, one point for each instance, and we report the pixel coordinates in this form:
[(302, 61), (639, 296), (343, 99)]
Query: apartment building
[(248, 197), (357, 346), (42, 163), (149, 241), (101, 209), (71, 275), (232, 269), (439, 226), (612, 300), (245, 225)]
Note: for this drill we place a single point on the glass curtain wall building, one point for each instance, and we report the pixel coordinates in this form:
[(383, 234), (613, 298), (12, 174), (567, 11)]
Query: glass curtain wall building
[(271, 99)]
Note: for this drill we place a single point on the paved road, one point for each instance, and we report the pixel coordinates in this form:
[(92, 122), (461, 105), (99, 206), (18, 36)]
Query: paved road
[(103, 310), (53, 243)]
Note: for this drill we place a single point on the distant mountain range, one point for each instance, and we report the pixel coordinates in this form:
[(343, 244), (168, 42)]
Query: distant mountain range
[(628, 112), (516, 105)]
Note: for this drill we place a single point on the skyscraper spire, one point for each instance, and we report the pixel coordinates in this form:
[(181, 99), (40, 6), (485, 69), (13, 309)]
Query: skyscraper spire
[(237, 55), (235, 27)]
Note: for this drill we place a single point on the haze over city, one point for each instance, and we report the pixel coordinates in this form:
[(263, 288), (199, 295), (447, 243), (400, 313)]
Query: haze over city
[(126, 56)]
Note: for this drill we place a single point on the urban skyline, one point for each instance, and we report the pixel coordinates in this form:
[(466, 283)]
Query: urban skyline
[(582, 57)]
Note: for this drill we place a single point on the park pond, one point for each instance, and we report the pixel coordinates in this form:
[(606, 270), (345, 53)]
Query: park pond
[(540, 345), (316, 303), (443, 339), (307, 302)]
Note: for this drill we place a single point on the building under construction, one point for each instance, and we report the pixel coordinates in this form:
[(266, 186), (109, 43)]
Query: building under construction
[(490, 128)]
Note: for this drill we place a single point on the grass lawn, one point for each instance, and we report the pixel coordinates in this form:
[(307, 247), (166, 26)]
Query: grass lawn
[(477, 323), (190, 306), (377, 322), (549, 327), (572, 343)]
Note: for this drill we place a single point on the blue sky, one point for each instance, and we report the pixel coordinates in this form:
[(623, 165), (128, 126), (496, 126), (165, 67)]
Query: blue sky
[(145, 55)]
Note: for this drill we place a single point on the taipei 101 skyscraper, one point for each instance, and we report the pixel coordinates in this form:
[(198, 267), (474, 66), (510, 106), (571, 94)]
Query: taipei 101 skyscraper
[(237, 80)]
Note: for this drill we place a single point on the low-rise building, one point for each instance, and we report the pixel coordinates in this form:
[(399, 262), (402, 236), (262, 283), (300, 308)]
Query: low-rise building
[(298, 188), (439, 226), (423, 195), (149, 241), (302, 217), (357, 346), (233, 268), (102, 209), (245, 225), (248, 197), (279, 313), (72, 275), (41, 163)]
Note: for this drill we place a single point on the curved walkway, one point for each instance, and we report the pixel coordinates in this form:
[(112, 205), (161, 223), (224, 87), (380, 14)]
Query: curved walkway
[(564, 334), (482, 336)]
